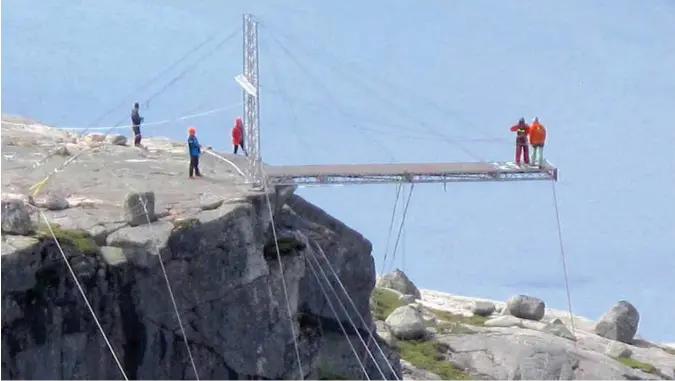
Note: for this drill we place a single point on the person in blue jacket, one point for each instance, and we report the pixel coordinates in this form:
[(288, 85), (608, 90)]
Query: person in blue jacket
[(194, 148)]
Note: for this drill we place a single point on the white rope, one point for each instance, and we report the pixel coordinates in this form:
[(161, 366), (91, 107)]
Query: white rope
[(400, 228), (351, 301), (281, 269), (358, 334), (227, 161), (84, 296), (391, 226), (161, 263), (168, 286), (159, 256), (330, 304), (157, 123)]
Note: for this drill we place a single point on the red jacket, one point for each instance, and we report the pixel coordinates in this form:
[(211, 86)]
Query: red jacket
[(522, 132), (237, 135)]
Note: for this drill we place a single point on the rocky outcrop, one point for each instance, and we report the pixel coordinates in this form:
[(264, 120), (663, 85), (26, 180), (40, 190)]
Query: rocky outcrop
[(526, 307), (406, 323), (399, 281), (620, 323), (250, 307), (460, 343)]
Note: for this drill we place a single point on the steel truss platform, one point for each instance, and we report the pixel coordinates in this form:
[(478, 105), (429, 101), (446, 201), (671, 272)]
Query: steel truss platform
[(407, 172)]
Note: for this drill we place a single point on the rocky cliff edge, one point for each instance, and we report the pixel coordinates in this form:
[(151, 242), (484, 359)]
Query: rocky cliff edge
[(214, 238)]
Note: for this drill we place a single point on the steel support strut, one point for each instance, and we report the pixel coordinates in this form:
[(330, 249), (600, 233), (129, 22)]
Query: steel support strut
[(251, 101)]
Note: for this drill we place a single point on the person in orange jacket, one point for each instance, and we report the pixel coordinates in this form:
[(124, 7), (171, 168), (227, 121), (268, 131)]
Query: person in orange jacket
[(522, 130), (537, 139), (238, 136)]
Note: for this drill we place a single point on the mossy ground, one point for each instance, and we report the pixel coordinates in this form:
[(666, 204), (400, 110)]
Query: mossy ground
[(384, 303), (458, 324), (327, 375), (425, 354), (643, 366), (79, 239)]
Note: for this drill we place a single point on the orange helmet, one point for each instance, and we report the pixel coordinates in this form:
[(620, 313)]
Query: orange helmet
[(192, 131)]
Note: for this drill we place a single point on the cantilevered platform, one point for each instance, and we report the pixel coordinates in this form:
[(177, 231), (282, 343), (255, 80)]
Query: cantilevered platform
[(407, 172)]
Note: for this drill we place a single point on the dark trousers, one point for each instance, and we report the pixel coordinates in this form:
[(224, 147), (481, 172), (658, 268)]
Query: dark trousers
[(524, 150), (194, 166), (137, 135), (241, 144)]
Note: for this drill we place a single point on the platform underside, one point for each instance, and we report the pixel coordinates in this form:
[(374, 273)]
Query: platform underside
[(408, 172)]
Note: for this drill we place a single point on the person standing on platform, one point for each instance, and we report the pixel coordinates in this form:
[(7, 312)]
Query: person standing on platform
[(537, 139), (136, 120), (238, 136), (194, 149), (522, 130)]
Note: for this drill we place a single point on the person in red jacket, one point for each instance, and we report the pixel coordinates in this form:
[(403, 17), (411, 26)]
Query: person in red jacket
[(238, 136), (522, 130)]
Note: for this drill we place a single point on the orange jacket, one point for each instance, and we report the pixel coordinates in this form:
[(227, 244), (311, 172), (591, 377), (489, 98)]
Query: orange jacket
[(537, 133)]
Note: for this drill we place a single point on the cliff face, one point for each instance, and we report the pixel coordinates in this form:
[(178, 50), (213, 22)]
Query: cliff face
[(215, 241)]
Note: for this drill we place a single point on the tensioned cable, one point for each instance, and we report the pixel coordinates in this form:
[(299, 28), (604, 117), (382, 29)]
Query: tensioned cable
[(159, 256), (314, 51), (36, 187), (358, 334), (84, 296), (327, 92), (330, 304), (391, 226), (156, 76), (391, 104), (177, 78), (562, 255), (285, 97), (351, 301), (400, 228), (281, 269)]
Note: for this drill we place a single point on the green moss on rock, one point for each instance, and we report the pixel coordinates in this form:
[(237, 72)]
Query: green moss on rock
[(635, 364), (77, 238), (384, 303), (428, 355)]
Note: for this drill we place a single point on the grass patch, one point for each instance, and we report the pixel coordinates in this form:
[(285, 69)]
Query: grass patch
[(287, 245), (184, 223), (77, 238), (327, 375), (456, 328), (453, 318), (635, 364), (427, 355), (384, 303)]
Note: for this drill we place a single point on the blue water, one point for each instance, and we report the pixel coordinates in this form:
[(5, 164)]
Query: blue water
[(599, 74)]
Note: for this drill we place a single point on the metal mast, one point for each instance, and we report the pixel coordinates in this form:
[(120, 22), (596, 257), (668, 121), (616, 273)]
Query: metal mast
[(251, 117)]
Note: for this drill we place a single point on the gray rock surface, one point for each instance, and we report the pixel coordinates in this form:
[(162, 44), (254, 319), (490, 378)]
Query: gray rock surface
[(399, 281), (411, 372), (139, 208), (15, 217), (243, 316), (406, 323), (617, 350), (558, 328), (407, 299), (482, 308), (52, 202), (526, 307), (513, 353), (620, 323)]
